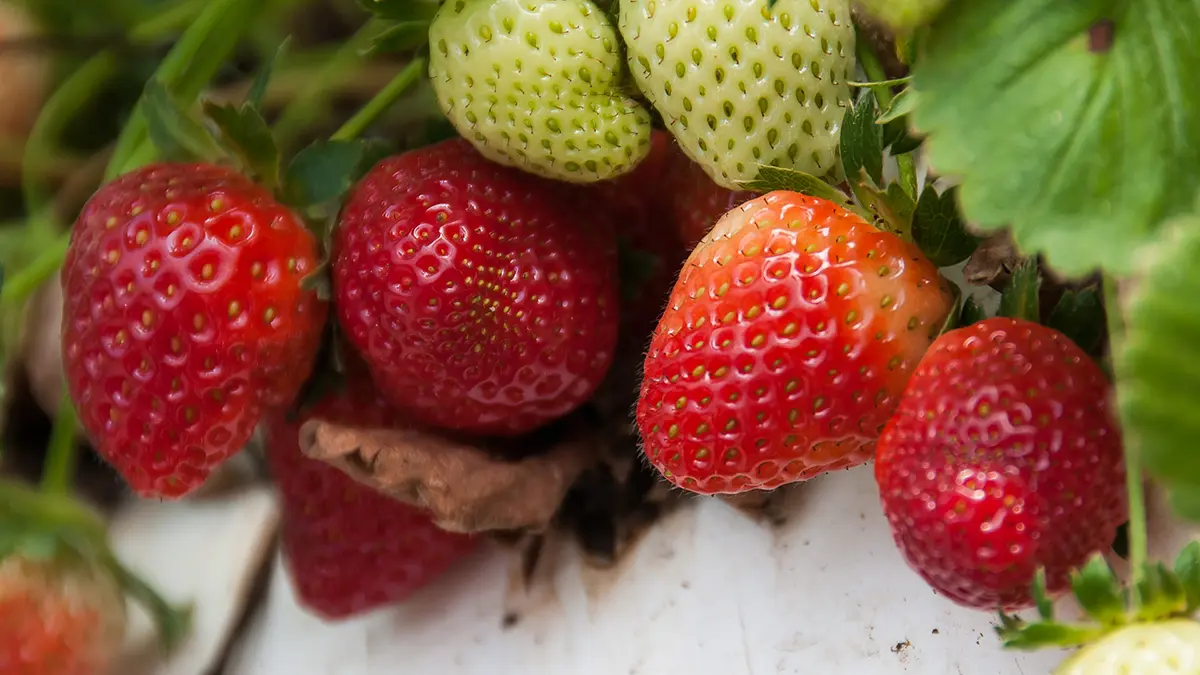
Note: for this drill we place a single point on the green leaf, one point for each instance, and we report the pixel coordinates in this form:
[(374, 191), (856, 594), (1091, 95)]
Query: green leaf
[(862, 141), (972, 312), (1099, 593), (1187, 568), (401, 10), (903, 15), (175, 131), (258, 89), (897, 139), (323, 171), (938, 230), (1157, 374), (1083, 150), (904, 103), (402, 36), (893, 206), (1047, 634), (1020, 297), (246, 134), (1160, 593), (1043, 602), (771, 178), (1079, 315)]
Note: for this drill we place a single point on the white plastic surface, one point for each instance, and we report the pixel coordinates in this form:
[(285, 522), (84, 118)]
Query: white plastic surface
[(707, 591)]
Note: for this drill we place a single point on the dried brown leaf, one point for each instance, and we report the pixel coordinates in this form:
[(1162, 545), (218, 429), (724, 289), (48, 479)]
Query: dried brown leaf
[(464, 487)]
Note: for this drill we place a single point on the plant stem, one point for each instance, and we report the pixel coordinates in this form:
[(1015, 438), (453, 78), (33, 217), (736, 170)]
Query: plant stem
[(62, 106), (174, 623), (58, 474), (1133, 467), (873, 69), (22, 284), (310, 102), (186, 70), (365, 117)]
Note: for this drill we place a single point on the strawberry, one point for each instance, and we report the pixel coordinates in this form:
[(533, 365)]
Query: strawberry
[(740, 84), (350, 549), (482, 298), (184, 317), (1162, 648), (58, 617), (1003, 456), (695, 202), (536, 84), (785, 346)]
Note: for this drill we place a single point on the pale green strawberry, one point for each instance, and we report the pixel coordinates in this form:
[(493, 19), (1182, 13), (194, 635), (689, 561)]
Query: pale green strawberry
[(1165, 648), (536, 84), (740, 84)]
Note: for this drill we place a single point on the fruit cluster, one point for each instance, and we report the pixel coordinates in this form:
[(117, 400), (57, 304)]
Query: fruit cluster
[(663, 181)]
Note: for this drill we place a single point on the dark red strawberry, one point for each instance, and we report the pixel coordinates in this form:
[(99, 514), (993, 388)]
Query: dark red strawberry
[(483, 298), (350, 549), (1002, 456), (185, 316), (694, 201), (786, 344)]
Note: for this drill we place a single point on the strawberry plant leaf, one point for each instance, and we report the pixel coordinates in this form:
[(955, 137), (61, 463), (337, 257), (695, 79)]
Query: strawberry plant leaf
[(1156, 374), (1083, 149), (862, 141), (1047, 633), (893, 206), (1098, 592), (258, 88), (246, 133), (402, 36), (1079, 315), (938, 230), (401, 10), (173, 129), (323, 172), (904, 103), (1020, 297), (1160, 594), (1187, 569), (903, 15), (772, 178), (972, 312)]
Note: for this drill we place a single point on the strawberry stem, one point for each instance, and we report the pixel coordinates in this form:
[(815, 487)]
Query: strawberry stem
[(174, 622), (21, 285), (873, 69), (187, 69), (379, 104), (1133, 468), (62, 456)]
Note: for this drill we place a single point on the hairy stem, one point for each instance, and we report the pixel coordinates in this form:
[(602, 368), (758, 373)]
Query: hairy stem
[(369, 113), (1134, 485)]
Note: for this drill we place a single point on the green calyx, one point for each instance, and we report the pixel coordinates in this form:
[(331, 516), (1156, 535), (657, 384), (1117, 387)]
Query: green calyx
[(1158, 593)]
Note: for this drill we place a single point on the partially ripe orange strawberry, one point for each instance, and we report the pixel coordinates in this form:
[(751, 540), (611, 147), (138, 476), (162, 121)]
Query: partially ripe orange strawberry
[(787, 342), (58, 617)]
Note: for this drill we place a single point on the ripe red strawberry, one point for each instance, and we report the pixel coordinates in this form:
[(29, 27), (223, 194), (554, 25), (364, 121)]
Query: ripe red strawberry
[(1002, 456), (694, 201), (58, 618), (184, 317), (483, 298), (786, 344), (350, 549)]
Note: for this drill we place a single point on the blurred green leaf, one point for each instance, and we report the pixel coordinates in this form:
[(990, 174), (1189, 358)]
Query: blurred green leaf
[(258, 89), (1068, 121), (177, 134), (401, 10), (1079, 315), (400, 37), (938, 230)]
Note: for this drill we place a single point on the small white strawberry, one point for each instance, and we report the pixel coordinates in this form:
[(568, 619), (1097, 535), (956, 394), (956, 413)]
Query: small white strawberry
[(741, 84), (536, 84), (1163, 648)]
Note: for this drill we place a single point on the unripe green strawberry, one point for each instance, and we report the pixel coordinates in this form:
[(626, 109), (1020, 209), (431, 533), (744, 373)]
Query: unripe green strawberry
[(536, 84), (1163, 648), (740, 84)]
